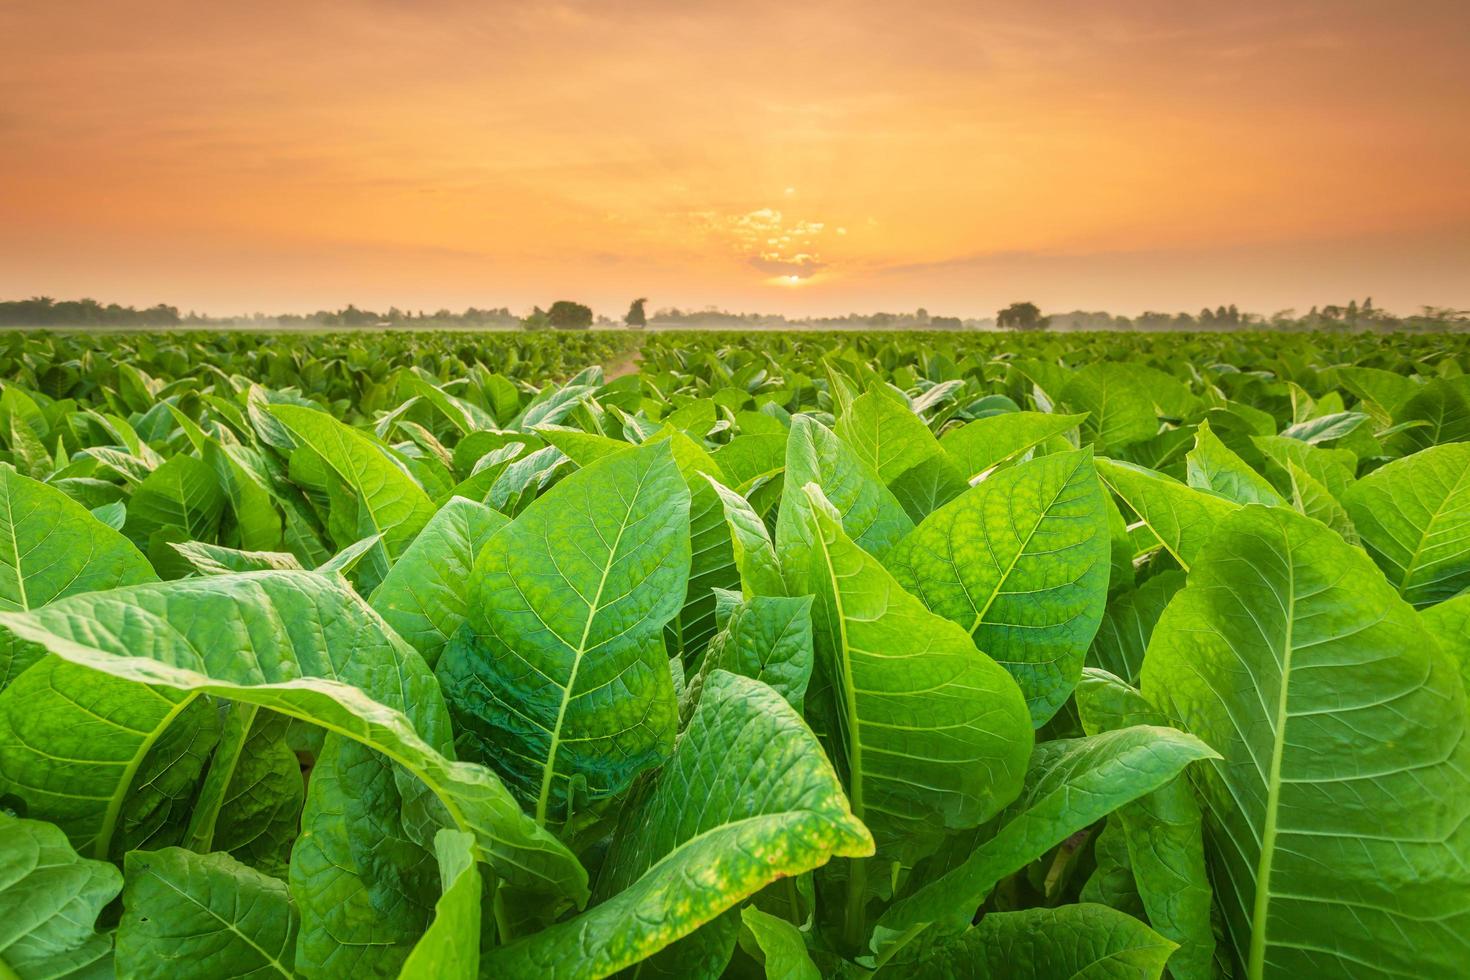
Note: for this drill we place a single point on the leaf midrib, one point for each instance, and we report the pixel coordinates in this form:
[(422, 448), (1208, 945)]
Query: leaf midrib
[(849, 691), (549, 770), (102, 846), (1260, 914), (1021, 551), (20, 579)]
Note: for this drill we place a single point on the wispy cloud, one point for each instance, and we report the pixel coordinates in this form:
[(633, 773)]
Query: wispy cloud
[(771, 241)]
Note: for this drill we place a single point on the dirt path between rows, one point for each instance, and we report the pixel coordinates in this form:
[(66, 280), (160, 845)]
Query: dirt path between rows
[(628, 363)]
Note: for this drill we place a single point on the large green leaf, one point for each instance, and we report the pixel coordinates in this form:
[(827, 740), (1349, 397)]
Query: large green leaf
[(1442, 405), (1073, 942), (978, 446), (871, 515), (425, 595), (51, 547), (258, 525), (155, 812), (77, 726), (1413, 516), (1111, 881), (450, 947), (559, 676), (1215, 467), (1339, 817), (49, 901), (364, 888), (712, 558), (1071, 784), (768, 638), (1325, 428), (1119, 410), (754, 552), (1163, 833), (1450, 623), (1021, 562), (929, 486), (926, 731), (1333, 468), (383, 498), (747, 798), (183, 494), (213, 559), (781, 944), (886, 434), (1179, 517), (203, 915)]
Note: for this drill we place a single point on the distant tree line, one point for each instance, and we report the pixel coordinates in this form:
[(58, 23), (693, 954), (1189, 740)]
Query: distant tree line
[(43, 311)]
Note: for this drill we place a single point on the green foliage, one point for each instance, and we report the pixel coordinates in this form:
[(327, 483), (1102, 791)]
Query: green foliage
[(949, 655)]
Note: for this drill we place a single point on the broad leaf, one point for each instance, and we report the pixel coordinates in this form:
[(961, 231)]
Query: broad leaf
[(983, 444), (782, 948), (1450, 623), (1119, 410), (363, 887), (885, 434), (1128, 623), (1021, 562), (1325, 428), (1343, 794), (381, 498), (183, 494), (929, 486), (212, 559), (1178, 517), (559, 674), (190, 914), (748, 797), (1071, 784), (768, 638), (1075, 942), (871, 515), (49, 901), (425, 595), (754, 553), (76, 727), (249, 803), (50, 548), (1215, 467), (926, 731), (1413, 516), (450, 948)]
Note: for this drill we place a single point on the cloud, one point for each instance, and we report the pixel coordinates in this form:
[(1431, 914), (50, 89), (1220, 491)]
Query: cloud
[(771, 241), (802, 266)]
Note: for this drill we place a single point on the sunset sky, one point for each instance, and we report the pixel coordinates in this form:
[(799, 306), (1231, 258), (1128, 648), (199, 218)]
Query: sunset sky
[(815, 157)]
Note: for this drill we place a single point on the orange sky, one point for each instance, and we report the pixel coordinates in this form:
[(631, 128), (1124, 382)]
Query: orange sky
[(294, 154)]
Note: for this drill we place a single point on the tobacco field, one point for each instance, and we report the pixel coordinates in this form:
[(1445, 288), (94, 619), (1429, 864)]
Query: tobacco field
[(984, 656)]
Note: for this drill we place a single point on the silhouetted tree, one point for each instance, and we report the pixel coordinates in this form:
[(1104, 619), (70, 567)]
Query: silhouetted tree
[(1022, 316), (567, 315), (636, 318)]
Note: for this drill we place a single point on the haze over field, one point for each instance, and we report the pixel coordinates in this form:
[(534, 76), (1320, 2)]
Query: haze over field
[(810, 158)]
